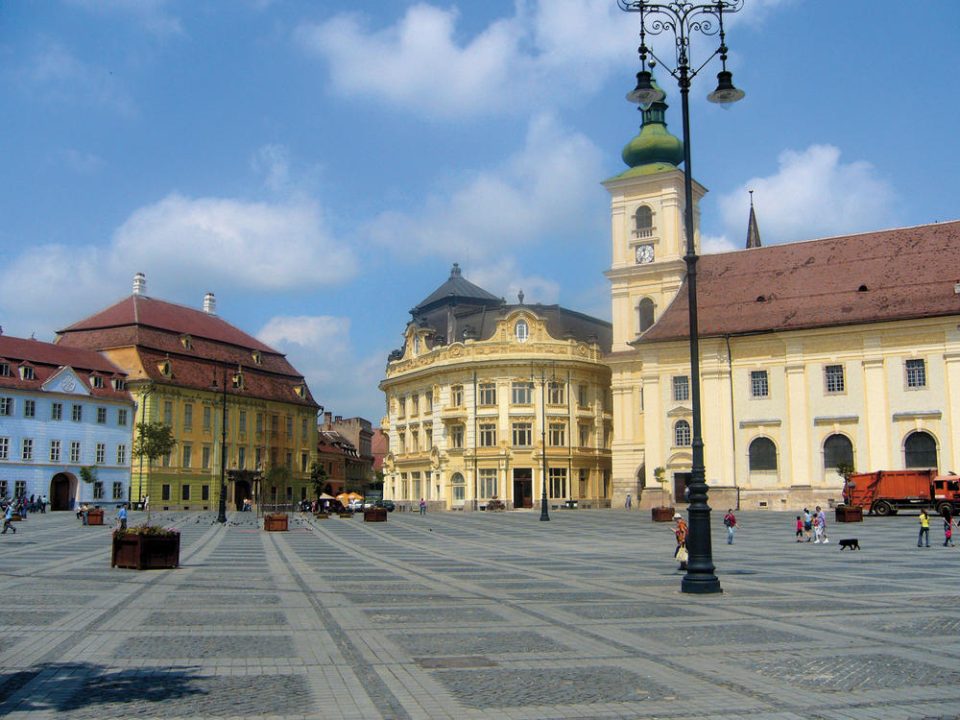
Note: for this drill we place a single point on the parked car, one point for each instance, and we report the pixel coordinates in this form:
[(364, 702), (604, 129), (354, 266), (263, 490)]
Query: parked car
[(386, 505), (355, 505)]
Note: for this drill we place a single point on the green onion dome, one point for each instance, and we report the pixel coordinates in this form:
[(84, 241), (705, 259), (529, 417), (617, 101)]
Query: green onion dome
[(654, 149)]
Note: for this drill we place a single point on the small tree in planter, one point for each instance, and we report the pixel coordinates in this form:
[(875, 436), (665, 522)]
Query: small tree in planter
[(89, 476), (277, 477), (154, 440), (847, 512), (664, 513)]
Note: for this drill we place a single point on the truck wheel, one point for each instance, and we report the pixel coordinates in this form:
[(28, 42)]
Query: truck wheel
[(944, 508), (882, 509)]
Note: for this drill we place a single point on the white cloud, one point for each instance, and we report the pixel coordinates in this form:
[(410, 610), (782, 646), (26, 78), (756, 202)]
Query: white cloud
[(514, 64), (152, 15), (503, 278), (58, 77), (261, 246), (273, 162), (813, 194), (320, 347), (544, 189)]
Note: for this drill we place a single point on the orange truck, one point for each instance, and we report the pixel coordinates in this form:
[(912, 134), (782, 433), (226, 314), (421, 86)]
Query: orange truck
[(886, 491)]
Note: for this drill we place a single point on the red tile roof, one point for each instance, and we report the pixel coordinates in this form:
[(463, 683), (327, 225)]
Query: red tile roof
[(46, 359), (900, 274), (147, 312)]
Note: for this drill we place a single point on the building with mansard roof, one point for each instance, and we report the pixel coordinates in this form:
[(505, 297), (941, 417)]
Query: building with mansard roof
[(63, 409), (190, 369), (489, 401), (843, 350)]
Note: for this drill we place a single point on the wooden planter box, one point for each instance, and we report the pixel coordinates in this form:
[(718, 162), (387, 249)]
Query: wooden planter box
[(276, 522), (15, 517), (345, 514), (375, 515), (145, 552), (321, 515), (95, 517), (848, 513), (662, 514)]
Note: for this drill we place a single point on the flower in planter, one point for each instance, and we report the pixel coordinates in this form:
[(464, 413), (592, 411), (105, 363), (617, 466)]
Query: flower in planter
[(153, 530)]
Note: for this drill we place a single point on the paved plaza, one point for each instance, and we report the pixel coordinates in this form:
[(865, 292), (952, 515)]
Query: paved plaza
[(478, 615)]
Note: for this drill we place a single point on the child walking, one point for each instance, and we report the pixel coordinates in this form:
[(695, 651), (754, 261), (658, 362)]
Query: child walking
[(799, 529)]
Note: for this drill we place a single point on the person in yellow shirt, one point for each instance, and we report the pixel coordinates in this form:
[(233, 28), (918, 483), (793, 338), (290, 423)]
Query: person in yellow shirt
[(924, 529)]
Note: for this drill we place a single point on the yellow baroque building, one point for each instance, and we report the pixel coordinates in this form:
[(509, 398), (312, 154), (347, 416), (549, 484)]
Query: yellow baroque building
[(487, 401), (838, 350), (184, 366)]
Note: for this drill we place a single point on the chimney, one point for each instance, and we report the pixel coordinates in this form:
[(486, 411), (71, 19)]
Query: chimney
[(338, 419), (328, 417), (139, 284), (209, 304)]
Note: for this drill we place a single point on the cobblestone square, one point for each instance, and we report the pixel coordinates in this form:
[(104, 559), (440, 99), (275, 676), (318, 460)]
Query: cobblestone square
[(477, 615)]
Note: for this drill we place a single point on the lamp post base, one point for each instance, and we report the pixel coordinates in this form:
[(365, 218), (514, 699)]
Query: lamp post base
[(700, 584)]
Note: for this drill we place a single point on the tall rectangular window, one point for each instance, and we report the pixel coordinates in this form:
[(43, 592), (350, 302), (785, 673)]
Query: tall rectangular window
[(556, 393), (833, 377), (98, 490), (101, 456), (259, 422), (303, 461), (207, 418), (488, 482), (488, 435), (241, 457), (29, 408), (916, 373), (522, 434), (164, 492), (185, 492), (77, 413), (168, 412), (558, 482), (6, 406), (122, 417), (204, 492), (522, 393), (558, 434), (205, 457), (402, 406), (188, 416), (584, 435), (488, 394), (759, 386), (456, 396), (56, 411), (289, 426), (242, 421), (456, 436), (19, 488), (26, 449), (187, 455), (4, 448), (74, 451), (583, 397), (121, 454), (681, 388), (101, 415), (118, 491), (415, 404), (55, 451)]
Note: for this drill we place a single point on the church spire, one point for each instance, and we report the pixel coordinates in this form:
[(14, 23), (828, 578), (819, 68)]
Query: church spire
[(753, 230)]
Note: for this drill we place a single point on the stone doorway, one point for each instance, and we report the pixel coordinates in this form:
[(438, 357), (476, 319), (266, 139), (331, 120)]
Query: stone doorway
[(62, 489)]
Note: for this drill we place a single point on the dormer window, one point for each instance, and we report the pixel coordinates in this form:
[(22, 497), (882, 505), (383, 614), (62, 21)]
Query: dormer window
[(257, 357), (4, 369), (238, 381), (521, 331), (187, 342), (165, 368), (301, 390), (118, 384), (26, 372), (416, 345), (96, 381), (644, 222)]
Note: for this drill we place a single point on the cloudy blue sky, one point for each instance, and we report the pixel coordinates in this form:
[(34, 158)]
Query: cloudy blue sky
[(320, 165)]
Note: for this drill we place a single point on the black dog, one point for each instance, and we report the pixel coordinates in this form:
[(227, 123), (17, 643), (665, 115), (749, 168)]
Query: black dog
[(851, 543)]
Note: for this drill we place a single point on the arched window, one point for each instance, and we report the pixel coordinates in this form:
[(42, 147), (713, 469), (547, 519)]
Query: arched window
[(681, 433), (837, 450), (763, 454), (920, 451), (644, 219), (521, 330), (459, 487), (644, 314)]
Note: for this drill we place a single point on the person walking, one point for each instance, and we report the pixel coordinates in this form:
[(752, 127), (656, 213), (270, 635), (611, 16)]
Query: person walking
[(629, 502), (680, 532), (799, 529), (423, 506), (730, 522), (8, 520), (947, 527), (807, 524), (122, 516), (822, 525), (924, 529)]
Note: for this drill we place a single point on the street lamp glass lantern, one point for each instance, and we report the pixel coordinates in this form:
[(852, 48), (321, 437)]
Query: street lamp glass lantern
[(645, 92), (725, 93)]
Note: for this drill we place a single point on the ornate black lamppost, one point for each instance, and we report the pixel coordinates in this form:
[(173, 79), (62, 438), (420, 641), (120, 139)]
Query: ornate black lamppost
[(682, 19), (222, 510), (544, 505)]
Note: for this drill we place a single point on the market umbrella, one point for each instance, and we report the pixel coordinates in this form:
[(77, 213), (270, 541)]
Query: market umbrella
[(325, 496)]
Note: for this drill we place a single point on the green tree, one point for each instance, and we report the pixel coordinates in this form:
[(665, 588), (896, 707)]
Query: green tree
[(88, 474), (154, 440), (318, 478), (276, 478)]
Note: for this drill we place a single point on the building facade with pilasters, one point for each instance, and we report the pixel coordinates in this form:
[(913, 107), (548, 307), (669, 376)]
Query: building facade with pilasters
[(490, 402)]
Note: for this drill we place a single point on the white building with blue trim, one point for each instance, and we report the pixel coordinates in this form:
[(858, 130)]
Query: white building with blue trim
[(62, 409)]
